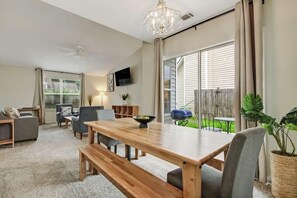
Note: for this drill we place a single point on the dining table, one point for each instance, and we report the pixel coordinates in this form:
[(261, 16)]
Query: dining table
[(188, 148)]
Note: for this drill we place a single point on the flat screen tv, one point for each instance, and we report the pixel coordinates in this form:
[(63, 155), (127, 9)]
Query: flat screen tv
[(123, 77)]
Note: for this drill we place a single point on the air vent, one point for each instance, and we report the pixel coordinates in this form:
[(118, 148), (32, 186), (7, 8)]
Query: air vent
[(187, 16)]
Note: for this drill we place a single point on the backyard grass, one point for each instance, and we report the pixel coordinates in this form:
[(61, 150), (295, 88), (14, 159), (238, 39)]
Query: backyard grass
[(193, 123)]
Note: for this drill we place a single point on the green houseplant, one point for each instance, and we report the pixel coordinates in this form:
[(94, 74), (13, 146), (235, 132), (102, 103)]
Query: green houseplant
[(90, 99), (283, 160), (124, 98)]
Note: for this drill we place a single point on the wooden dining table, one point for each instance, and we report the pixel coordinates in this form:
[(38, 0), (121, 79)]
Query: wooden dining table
[(185, 147)]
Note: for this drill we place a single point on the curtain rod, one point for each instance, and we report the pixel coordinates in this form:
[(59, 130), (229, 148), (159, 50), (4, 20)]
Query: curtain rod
[(195, 26), (61, 72)]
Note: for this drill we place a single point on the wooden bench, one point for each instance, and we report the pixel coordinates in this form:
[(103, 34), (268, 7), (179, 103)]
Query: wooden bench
[(132, 180)]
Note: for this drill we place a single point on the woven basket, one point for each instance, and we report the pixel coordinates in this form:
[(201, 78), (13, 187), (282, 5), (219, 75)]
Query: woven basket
[(283, 176)]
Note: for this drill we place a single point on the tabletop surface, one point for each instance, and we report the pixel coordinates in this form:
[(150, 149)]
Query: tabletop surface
[(187, 144), (229, 119)]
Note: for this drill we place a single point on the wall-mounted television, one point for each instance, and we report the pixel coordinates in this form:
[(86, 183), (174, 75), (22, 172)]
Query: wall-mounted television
[(123, 77)]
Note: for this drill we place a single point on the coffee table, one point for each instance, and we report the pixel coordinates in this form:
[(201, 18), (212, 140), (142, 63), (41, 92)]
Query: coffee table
[(67, 120)]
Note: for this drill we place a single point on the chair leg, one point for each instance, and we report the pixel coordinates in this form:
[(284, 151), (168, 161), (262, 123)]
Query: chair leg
[(81, 136), (98, 138), (136, 154), (109, 148), (74, 133), (128, 152), (115, 148)]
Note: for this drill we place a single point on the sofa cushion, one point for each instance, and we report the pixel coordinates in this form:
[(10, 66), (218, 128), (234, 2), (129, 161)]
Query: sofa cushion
[(11, 112), (66, 111)]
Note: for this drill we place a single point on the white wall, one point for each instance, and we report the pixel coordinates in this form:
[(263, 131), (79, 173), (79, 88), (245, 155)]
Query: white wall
[(17, 86), (280, 59), (134, 90), (93, 85), (148, 79)]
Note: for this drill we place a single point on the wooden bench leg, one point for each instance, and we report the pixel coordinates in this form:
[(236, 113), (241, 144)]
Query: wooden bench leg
[(143, 153), (94, 171), (82, 166)]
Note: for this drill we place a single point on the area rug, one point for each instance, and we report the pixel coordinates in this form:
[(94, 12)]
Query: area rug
[(49, 167)]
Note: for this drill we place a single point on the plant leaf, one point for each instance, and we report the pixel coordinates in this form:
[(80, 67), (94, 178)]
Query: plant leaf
[(251, 107), (290, 118), (291, 127)]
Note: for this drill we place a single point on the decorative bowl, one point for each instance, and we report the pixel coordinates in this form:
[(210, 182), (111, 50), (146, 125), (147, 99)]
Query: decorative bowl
[(143, 120)]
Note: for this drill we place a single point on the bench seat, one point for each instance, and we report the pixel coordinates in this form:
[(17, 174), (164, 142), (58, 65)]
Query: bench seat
[(132, 180)]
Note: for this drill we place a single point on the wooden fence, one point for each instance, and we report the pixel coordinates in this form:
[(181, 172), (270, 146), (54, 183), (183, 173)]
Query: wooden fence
[(219, 102)]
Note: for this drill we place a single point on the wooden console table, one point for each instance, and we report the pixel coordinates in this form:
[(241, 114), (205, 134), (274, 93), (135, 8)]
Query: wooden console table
[(8, 141), (125, 111), (36, 111)]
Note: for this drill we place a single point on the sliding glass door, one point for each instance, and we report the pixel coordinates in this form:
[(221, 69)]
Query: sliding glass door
[(203, 83)]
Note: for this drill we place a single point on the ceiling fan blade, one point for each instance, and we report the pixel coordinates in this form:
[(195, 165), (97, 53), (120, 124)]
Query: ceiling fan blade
[(71, 53), (63, 48)]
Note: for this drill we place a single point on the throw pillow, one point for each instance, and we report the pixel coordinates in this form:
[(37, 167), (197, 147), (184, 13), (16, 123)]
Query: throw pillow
[(66, 111), (11, 112)]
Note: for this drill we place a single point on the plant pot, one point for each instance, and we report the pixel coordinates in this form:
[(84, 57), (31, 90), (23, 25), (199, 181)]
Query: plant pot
[(283, 175), (125, 102)]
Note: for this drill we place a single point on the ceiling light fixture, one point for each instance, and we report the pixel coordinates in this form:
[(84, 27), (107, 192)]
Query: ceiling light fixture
[(163, 20)]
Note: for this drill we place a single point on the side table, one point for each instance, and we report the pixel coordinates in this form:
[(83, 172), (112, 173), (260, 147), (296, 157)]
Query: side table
[(8, 141)]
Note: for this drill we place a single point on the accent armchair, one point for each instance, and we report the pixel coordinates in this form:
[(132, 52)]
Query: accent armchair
[(85, 114), (62, 111), (237, 179)]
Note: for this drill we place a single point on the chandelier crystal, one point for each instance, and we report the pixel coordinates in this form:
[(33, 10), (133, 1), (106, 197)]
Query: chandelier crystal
[(163, 20)]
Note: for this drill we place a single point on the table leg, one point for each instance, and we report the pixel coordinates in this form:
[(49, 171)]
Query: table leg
[(191, 180), (91, 135)]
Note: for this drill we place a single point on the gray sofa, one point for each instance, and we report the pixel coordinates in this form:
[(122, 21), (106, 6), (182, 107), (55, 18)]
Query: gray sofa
[(25, 128), (85, 114)]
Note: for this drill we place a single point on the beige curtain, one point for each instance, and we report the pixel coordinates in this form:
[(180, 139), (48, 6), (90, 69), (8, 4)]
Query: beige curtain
[(38, 95), (248, 62), (158, 104), (82, 90)]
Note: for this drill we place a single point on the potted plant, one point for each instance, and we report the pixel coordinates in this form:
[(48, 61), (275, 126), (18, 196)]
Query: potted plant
[(124, 98), (90, 99), (284, 160)]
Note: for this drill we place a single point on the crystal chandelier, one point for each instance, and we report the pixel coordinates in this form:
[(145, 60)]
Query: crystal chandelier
[(163, 20)]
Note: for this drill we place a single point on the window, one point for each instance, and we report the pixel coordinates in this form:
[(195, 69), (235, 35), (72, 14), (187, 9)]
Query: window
[(169, 85), (61, 91)]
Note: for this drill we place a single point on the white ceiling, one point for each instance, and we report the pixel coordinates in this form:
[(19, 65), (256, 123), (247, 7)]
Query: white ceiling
[(32, 31)]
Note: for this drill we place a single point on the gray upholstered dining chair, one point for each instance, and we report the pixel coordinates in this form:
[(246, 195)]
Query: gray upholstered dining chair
[(107, 114), (237, 179)]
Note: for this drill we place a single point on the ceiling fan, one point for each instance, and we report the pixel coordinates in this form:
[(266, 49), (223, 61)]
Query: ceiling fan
[(78, 51)]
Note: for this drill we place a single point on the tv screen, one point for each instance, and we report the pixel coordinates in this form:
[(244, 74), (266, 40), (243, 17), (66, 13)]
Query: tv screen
[(123, 77)]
